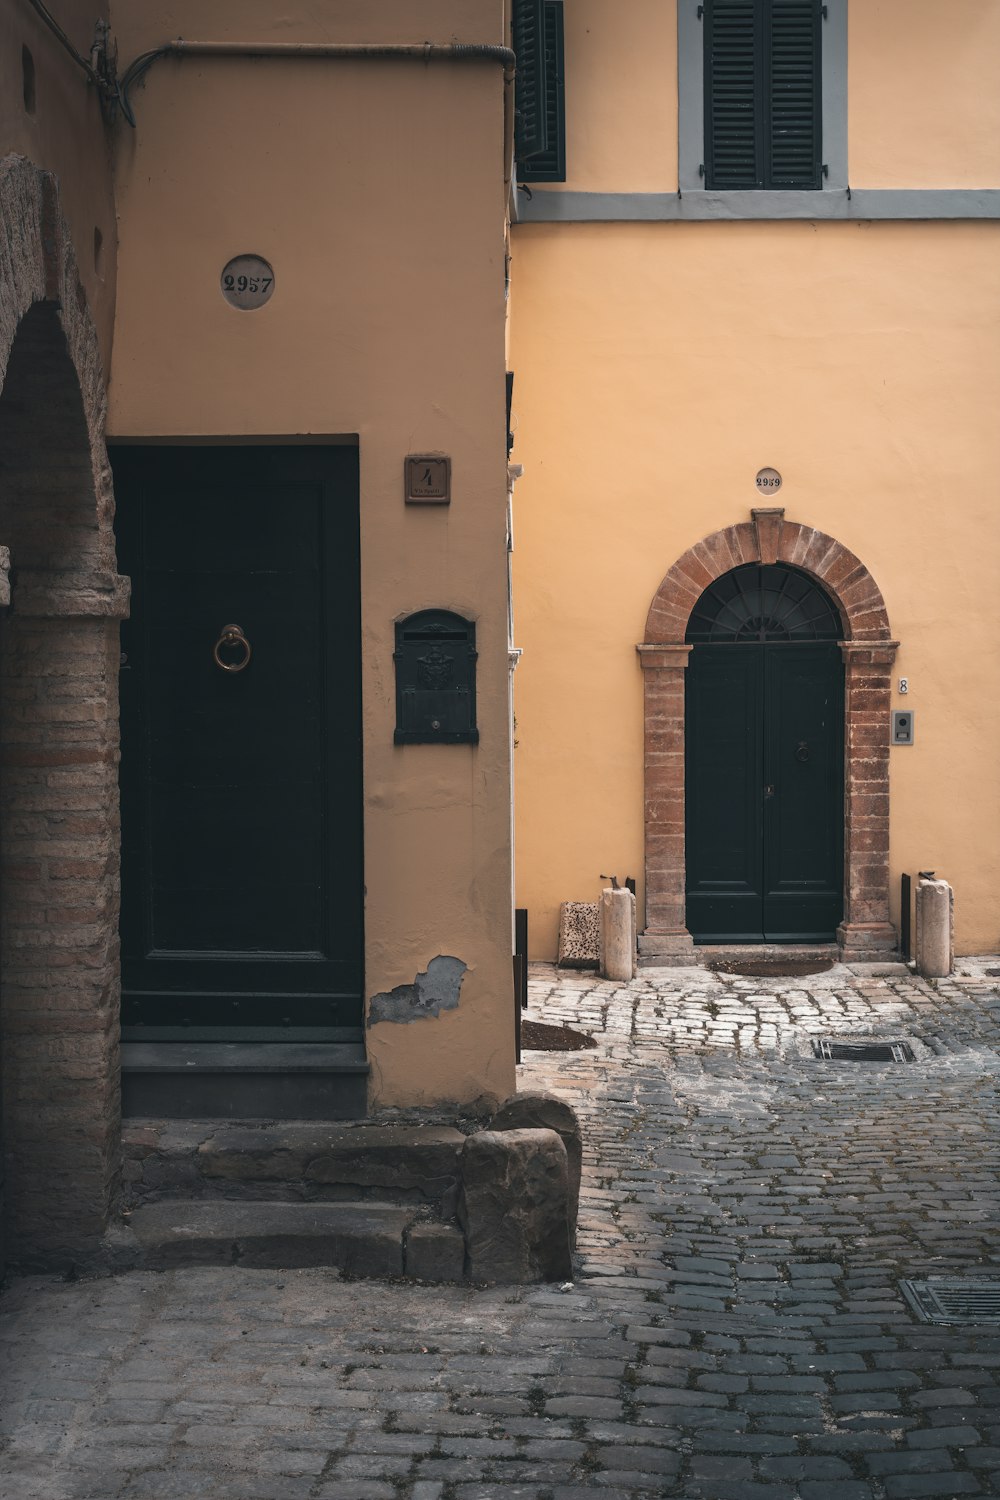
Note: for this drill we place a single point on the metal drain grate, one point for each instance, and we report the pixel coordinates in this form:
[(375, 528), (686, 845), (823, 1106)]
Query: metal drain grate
[(941, 1300), (830, 1051)]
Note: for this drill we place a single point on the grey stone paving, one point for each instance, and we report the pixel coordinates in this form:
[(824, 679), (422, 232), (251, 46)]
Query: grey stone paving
[(735, 1330)]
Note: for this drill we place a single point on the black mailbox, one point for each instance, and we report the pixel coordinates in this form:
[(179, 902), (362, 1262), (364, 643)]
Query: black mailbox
[(435, 660)]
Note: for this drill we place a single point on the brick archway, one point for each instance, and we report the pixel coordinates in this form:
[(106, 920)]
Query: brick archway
[(59, 844), (868, 651)]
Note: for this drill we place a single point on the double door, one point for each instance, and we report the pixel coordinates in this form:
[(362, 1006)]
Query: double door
[(764, 792)]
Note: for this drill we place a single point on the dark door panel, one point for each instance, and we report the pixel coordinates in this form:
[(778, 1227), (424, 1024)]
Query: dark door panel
[(241, 790), (723, 780), (764, 792), (803, 760)]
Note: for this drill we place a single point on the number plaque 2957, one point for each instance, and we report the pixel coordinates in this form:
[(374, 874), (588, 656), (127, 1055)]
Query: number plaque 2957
[(247, 281)]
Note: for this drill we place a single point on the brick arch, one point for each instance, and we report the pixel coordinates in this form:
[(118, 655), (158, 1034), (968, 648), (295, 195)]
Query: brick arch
[(868, 652), (769, 538), (40, 281), (59, 844)]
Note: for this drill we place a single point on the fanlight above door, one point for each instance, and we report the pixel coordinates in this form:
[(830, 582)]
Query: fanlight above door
[(760, 602)]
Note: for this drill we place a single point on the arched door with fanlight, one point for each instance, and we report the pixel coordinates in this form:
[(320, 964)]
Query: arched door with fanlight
[(764, 760)]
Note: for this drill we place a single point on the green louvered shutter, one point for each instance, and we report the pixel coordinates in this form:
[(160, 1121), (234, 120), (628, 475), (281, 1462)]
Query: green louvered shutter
[(762, 94), (793, 86), (734, 117), (528, 26), (550, 165)]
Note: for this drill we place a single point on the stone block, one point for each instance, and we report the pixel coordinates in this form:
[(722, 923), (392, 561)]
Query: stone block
[(435, 1252), (514, 1206), (579, 935), (537, 1111), (422, 1158), (360, 1239)]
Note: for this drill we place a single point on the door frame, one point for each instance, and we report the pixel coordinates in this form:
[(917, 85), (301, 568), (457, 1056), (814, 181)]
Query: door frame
[(869, 652)]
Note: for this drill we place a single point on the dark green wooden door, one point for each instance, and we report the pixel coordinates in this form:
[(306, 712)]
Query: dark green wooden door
[(764, 764), (241, 789), (803, 800)]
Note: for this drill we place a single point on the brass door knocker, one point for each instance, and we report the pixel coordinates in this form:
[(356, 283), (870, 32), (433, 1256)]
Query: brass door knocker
[(232, 635)]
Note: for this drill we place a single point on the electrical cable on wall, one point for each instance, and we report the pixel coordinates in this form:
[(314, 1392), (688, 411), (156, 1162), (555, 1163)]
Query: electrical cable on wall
[(104, 81), (427, 51)]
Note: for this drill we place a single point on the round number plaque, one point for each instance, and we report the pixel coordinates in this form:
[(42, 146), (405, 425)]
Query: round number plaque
[(247, 282), (768, 480)]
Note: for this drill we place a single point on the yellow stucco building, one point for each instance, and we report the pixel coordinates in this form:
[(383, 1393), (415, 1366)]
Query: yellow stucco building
[(255, 490), (766, 240)]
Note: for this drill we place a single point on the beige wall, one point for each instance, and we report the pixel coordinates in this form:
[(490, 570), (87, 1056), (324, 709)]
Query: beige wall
[(923, 80), (924, 83), (64, 135), (621, 96), (658, 367), (376, 192)]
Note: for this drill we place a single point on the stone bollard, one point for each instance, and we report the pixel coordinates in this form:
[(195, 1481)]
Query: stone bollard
[(537, 1111), (618, 945), (514, 1206), (935, 928)]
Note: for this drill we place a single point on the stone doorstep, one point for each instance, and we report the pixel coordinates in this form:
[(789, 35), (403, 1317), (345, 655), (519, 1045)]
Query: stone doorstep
[(240, 1080), (358, 1239), (297, 1159), (707, 953), (703, 954)]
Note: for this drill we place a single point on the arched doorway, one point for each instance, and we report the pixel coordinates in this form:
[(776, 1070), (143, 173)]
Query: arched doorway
[(867, 650), (764, 760), (58, 745)]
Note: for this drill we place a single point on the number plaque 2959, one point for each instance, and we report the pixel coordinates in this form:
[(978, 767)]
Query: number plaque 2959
[(247, 281)]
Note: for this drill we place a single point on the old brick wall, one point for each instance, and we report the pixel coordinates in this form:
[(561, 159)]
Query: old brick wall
[(59, 832)]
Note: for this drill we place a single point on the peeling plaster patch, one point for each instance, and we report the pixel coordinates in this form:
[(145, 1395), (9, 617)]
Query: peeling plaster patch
[(431, 992)]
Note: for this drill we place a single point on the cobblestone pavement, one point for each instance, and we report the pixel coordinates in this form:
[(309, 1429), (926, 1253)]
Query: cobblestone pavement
[(735, 1331)]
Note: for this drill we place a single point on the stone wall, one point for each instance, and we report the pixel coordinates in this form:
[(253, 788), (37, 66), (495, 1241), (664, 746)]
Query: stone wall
[(59, 830)]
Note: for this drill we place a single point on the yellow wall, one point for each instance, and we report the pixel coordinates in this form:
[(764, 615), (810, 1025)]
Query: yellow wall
[(924, 82), (67, 136), (376, 192), (923, 91), (658, 367), (621, 96)]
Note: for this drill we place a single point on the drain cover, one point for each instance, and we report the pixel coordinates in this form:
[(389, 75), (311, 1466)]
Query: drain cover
[(940, 1300), (862, 1051)]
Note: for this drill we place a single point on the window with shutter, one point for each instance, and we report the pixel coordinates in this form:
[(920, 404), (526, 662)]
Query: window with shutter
[(539, 91), (549, 165), (528, 28), (763, 105)]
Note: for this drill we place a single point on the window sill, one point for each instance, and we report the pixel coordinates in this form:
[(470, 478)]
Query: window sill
[(698, 204)]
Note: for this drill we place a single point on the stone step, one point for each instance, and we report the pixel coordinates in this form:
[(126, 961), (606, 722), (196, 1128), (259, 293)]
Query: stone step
[(244, 1080), (359, 1239), (293, 1160)]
